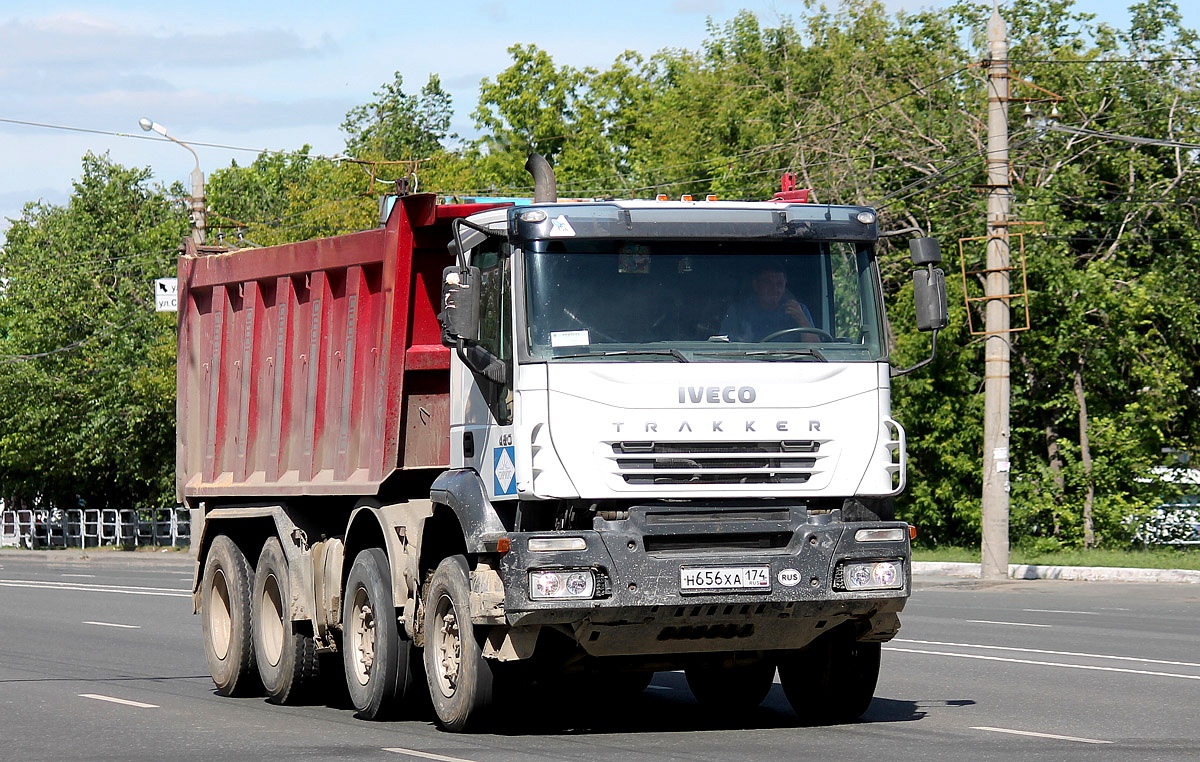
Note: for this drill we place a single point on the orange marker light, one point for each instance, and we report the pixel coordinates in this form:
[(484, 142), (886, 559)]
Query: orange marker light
[(503, 545), (912, 532)]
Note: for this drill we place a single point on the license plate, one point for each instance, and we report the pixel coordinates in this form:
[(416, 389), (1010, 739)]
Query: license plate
[(703, 579)]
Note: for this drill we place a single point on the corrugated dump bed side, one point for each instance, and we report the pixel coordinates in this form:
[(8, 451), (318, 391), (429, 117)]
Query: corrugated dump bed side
[(315, 367)]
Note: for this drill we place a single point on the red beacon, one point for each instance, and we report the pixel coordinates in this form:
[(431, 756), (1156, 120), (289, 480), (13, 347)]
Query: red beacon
[(789, 192)]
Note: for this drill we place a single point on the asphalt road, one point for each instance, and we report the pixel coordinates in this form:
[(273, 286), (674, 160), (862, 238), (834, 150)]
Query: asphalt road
[(100, 659)]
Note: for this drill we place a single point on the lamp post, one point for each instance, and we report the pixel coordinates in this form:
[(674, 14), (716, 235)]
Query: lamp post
[(196, 201)]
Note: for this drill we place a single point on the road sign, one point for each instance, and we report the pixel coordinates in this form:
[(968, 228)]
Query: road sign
[(166, 294)]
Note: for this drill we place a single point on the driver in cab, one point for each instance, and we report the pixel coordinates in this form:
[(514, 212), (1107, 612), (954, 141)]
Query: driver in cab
[(770, 309)]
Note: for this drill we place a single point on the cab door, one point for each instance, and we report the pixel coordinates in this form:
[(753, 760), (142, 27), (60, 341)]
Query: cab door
[(487, 426)]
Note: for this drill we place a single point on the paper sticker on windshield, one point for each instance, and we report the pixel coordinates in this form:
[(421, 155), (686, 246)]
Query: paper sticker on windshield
[(569, 338), (560, 227)]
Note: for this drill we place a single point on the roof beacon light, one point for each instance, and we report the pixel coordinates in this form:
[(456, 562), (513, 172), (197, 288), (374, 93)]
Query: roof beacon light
[(686, 197)]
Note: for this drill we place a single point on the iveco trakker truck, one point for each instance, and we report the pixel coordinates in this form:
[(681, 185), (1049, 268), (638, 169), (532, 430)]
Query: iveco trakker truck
[(488, 448)]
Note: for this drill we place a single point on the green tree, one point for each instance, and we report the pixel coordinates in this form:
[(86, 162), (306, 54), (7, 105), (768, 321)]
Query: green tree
[(87, 371)]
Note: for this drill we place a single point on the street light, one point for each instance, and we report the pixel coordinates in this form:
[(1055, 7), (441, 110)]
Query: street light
[(196, 202)]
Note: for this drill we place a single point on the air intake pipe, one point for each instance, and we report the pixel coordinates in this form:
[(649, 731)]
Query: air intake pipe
[(545, 187)]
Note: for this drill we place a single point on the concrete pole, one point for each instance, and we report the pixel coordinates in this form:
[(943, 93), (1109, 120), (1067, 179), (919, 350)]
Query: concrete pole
[(199, 210), (996, 375)]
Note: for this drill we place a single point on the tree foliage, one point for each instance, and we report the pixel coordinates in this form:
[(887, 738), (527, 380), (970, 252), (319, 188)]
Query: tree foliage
[(869, 107), (87, 382)]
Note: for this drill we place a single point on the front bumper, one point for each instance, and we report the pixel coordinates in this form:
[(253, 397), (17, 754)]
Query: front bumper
[(639, 606)]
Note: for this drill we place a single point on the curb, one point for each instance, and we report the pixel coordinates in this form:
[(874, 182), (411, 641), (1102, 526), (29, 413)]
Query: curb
[(1073, 573)]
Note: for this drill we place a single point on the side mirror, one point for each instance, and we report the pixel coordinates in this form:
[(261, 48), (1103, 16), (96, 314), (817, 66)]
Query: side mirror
[(929, 285), (925, 251), (929, 290), (460, 305)]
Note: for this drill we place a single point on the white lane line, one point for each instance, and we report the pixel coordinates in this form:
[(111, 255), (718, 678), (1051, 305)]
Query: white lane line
[(1010, 624), (1061, 611), (113, 624), (1049, 653), (427, 755), (85, 576), (114, 700), (1091, 668), (86, 588), (1039, 735)]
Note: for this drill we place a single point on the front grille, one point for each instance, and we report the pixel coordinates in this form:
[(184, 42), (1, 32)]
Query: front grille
[(777, 462)]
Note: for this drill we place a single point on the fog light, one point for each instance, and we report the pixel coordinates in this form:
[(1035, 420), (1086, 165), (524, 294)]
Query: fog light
[(874, 575), (893, 534), (544, 544), (547, 585)]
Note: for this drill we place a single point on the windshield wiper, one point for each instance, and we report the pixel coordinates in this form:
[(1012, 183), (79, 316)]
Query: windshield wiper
[(781, 354), (672, 352)]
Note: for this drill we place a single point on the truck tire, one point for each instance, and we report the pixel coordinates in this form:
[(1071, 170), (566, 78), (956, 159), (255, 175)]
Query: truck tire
[(460, 679), (739, 688), (225, 619), (287, 659), (376, 655), (832, 680)]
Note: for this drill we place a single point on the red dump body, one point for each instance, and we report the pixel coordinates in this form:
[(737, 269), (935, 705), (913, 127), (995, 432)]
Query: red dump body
[(315, 368)]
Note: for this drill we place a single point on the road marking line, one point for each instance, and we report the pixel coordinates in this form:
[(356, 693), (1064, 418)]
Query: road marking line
[(427, 755), (1045, 663), (114, 700), (111, 624), (1049, 653), (86, 588), (87, 576), (1039, 735), (1061, 611), (1011, 624)]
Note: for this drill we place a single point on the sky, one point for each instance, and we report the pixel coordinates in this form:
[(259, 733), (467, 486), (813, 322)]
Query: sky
[(266, 74)]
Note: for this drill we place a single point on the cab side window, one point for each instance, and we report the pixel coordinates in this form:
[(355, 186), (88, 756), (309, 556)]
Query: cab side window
[(495, 321)]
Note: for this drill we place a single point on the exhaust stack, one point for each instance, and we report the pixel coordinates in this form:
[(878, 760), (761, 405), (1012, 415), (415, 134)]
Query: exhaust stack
[(545, 187)]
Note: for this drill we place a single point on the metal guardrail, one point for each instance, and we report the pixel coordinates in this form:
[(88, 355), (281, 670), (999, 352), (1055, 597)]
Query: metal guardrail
[(96, 527)]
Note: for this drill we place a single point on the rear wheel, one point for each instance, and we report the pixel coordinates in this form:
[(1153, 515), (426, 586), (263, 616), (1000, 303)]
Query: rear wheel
[(460, 679), (376, 654), (732, 688), (287, 659), (832, 680), (225, 619)]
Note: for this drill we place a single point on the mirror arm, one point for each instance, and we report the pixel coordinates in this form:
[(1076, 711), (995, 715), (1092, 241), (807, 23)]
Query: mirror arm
[(932, 354), (456, 228)]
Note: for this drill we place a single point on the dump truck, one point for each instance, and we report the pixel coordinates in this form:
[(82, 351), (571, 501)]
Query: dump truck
[(489, 448)]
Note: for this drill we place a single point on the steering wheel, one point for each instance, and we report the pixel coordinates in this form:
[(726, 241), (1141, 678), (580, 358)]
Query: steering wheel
[(824, 335)]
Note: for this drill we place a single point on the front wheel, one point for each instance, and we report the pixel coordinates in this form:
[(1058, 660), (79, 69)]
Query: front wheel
[(460, 679), (287, 659), (831, 680), (225, 619)]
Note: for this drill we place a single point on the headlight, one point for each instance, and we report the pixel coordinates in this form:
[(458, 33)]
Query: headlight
[(546, 585), (873, 575)]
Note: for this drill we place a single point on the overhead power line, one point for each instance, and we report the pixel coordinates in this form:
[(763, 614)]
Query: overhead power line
[(67, 128), (1136, 140)]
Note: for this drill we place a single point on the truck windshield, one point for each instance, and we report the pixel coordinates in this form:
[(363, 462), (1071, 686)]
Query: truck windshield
[(702, 301)]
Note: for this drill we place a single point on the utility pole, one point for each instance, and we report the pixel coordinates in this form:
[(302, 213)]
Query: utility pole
[(997, 316)]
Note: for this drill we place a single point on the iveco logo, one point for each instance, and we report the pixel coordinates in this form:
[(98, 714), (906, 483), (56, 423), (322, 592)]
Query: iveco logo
[(716, 394)]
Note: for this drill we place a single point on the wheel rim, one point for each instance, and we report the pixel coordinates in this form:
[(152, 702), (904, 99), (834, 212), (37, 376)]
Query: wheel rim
[(220, 616), (272, 620), (447, 646), (362, 636)]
